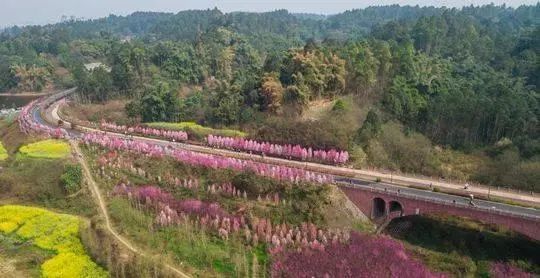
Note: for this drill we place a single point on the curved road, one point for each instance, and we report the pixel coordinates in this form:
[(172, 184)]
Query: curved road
[(361, 179)]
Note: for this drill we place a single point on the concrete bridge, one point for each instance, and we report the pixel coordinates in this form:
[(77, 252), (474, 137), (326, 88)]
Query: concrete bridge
[(383, 204)]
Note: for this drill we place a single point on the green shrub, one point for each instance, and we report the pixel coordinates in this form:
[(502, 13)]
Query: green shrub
[(197, 131), (72, 177), (396, 149), (253, 184), (358, 157), (339, 106), (319, 134)]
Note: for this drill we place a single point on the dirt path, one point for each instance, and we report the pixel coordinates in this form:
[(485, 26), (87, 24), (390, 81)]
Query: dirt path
[(105, 213)]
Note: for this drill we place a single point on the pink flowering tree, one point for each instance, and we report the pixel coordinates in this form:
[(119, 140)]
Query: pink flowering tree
[(298, 152), (205, 160), (27, 124), (362, 256), (210, 216)]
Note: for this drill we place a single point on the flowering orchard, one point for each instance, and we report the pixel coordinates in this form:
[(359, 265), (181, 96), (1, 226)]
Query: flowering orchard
[(362, 256), (289, 151), (296, 251), (238, 143), (146, 131), (211, 216), (205, 160), (27, 124), (114, 161)]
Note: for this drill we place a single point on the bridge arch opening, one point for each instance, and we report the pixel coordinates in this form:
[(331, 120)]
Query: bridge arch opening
[(395, 208), (378, 208)]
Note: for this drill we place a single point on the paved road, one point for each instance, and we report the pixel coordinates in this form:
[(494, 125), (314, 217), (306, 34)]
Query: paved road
[(340, 179)]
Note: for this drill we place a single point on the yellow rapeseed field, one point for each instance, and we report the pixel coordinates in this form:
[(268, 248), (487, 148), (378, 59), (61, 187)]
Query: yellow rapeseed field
[(51, 231), (46, 149), (3, 152)]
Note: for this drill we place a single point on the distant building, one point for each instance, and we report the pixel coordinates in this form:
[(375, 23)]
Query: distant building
[(93, 66)]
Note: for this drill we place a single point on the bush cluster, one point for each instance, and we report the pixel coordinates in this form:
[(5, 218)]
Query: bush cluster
[(72, 177)]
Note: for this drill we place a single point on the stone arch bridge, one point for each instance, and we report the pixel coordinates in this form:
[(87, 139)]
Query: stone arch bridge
[(382, 205)]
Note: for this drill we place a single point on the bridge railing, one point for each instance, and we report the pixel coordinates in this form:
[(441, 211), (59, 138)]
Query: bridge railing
[(444, 202), (435, 180)]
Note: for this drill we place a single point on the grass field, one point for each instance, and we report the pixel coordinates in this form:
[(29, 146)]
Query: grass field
[(46, 149), (57, 233), (197, 130)]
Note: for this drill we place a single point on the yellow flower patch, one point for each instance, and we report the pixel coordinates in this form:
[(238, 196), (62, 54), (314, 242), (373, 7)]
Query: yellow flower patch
[(3, 152), (51, 231), (46, 149)]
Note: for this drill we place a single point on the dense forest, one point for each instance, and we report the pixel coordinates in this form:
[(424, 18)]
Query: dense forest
[(438, 91)]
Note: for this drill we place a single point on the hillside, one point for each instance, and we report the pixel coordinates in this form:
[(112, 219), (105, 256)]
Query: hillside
[(442, 92)]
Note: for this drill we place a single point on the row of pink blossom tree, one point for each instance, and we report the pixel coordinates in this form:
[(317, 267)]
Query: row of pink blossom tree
[(362, 256), (28, 125), (207, 215), (331, 156), (288, 151), (205, 160), (115, 161), (145, 131)]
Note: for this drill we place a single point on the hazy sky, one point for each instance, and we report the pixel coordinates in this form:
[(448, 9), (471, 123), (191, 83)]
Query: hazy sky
[(21, 12)]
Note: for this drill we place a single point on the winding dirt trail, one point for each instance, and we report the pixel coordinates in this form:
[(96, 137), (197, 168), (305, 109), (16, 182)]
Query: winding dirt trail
[(105, 213)]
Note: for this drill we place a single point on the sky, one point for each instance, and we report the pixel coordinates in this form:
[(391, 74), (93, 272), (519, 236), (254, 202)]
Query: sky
[(25, 12)]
